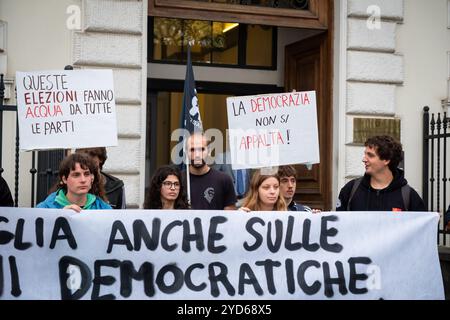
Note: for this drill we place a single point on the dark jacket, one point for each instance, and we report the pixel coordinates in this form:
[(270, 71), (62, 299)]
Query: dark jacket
[(294, 206), (6, 199), (50, 202), (447, 217), (115, 191), (388, 199)]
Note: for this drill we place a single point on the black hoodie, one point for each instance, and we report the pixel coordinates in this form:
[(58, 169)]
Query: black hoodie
[(447, 217), (115, 191), (390, 198), (6, 199)]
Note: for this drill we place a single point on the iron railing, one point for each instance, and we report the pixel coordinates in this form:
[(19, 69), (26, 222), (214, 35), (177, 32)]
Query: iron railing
[(48, 161), (13, 108), (436, 160)]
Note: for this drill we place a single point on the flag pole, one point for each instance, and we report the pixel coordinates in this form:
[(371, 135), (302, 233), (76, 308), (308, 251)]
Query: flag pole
[(190, 110), (188, 174)]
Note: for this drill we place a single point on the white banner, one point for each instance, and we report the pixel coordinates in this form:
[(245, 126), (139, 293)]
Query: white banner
[(273, 129), (66, 109), (188, 255)]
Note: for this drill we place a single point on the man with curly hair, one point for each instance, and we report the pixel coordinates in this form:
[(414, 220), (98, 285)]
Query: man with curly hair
[(383, 186)]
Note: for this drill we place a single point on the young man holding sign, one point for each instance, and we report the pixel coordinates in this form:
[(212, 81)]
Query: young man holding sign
[(79, 186), (383, 186), (210, 189), (288, 184)]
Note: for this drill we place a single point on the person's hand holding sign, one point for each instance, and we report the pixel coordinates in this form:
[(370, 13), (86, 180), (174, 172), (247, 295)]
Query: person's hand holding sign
[(74, 207)]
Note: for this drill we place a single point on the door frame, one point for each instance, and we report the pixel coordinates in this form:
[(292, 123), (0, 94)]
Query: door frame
[(316, 17), (319, 17)]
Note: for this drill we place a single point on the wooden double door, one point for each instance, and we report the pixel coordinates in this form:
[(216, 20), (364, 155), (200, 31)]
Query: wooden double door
[(308, 67)]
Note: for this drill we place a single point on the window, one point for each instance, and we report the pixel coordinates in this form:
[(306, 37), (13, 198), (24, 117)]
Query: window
[(259, 41), (212, 43)]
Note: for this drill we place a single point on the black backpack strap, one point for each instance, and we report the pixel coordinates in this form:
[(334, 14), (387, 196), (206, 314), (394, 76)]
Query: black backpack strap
[(352, 193), (406, 193)]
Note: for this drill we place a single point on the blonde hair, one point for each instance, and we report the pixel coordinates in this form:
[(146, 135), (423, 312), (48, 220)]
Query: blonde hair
[(252, 201)]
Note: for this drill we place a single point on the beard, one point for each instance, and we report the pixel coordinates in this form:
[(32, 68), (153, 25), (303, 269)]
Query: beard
[(198, 164)]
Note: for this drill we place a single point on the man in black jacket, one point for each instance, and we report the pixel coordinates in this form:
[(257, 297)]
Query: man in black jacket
[(6, 199), (383, 186), (447, 219), (114, 187), (288, 185)]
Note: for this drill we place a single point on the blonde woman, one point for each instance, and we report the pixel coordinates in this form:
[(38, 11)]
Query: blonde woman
[(264, 194)]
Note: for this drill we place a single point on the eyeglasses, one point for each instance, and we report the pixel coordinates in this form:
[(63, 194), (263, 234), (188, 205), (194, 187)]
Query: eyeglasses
[(169, 184)]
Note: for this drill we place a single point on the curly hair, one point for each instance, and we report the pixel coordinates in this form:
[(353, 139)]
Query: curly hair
[(68, 164), (252, 200), (387, 148), (153, 198)]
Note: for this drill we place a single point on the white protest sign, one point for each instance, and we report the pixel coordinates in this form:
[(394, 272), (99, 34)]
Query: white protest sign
[(188, 255), (66, 109), (273, 129)]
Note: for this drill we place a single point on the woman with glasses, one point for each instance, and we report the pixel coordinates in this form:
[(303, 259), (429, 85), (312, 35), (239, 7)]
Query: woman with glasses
[(166, 190)]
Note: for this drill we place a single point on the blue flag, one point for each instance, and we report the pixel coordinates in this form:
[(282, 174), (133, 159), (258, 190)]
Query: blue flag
[(191, 113)]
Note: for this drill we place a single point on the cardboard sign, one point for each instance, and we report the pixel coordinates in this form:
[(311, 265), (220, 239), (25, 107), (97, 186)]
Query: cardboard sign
[(274, 129), (66, 109), (188, 255)]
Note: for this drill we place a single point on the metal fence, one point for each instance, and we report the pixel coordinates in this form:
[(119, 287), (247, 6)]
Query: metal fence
[(12, 108), (48, 161), (436, 161)]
